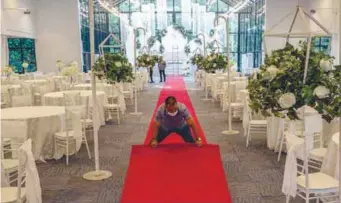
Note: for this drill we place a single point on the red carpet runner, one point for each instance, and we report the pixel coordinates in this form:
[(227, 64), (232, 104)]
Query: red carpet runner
[(176, 172)]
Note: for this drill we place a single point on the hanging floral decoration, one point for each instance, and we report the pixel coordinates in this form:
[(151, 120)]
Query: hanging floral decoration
[(182, 30), (198, 41), (151, 41), (212, 32), (163, 32), (162, 49), (278, 88), (138, 44), (114, 67), (187, 49)]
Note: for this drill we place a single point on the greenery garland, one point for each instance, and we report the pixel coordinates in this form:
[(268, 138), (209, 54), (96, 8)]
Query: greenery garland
[(114, 67), (187, 49), (162, 49), (151, 41), (212, 32), (138, 44), (198, 41), (279, 90)]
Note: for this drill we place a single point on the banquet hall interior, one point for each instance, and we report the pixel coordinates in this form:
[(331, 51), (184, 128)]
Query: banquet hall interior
[(84, 86)]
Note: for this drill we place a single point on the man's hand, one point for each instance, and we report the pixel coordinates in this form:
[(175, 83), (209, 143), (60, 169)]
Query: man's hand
[(198, 142), (153, 143)]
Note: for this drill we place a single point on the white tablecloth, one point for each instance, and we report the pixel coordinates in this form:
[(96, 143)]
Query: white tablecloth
[(330, 163), (39, 81), (273, 134), (56, 99), (42, 122), (87, 86)]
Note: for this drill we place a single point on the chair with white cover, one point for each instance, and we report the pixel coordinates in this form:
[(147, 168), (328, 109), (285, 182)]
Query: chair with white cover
[(40, 90), (13, 135), (297, 179), (23, 97), (87, 124), (113, 107), (28, 187), (69, 138), (237, 105), (72, 98), (287, 126), (128, 92), (318, 152), (254, 126)]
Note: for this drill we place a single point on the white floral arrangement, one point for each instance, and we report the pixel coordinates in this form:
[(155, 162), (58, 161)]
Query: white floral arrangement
[(59, 65), (25, 65), (7, 70), (71, 70), (279, 89)]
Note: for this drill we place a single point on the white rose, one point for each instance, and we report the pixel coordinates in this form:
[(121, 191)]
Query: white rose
[(74, 63), (59, 64), (273, 70), (287, 100), (321, 92), (118, 64), (209, 59), (326, 65), (214, 65), (25, 65)]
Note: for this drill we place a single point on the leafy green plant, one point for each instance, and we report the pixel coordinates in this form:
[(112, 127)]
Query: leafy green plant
[(162, 49), (146, 60), (187, 49), (197, 60), (279, 89), (114, 67), (213, 62), (151, 41)]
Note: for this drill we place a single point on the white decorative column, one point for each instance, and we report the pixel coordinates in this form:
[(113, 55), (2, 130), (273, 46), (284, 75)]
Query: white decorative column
[(97, 174)]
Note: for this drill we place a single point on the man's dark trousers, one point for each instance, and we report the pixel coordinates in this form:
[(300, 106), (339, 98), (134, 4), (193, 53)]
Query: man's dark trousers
[(162, 74), (184, 132)]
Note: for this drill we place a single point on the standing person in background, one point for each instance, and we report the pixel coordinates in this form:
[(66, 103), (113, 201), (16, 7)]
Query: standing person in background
[(162, 66), (151, 74)]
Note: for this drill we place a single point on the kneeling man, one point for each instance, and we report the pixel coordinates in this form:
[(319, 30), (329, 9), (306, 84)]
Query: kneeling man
[(173, 117)]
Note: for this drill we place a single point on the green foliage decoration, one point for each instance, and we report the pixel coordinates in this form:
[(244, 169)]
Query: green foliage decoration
[(187, 49), (213, 62), (114, 67), (278, 88), (146, 60), (197, 60)]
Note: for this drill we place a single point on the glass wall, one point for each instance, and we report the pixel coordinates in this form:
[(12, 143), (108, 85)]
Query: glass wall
[(322, 44), (195, 16), (105, 23), (22, 50)]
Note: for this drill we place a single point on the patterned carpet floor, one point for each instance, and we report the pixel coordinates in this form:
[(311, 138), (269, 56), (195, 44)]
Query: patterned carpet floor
[(253, 173)]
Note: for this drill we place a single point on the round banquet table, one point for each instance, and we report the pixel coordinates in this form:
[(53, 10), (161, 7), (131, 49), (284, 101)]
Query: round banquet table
[(41, 122), (87, 86), (330, 163), (57, 98), (38, 81)]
